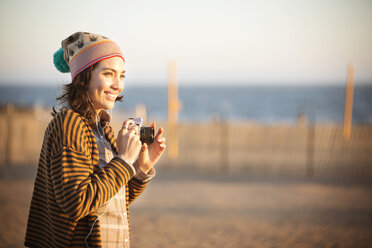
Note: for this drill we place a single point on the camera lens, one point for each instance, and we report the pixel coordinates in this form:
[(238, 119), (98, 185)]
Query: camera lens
[(147, 135)]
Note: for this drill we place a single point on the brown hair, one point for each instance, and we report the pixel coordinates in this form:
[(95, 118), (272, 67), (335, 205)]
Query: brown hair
[(75, 94)]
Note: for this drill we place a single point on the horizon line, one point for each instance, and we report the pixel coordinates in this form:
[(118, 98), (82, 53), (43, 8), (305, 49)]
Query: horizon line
[(230, 83)]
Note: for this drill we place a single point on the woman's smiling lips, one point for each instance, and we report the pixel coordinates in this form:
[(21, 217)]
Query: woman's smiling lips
[(111, 96)]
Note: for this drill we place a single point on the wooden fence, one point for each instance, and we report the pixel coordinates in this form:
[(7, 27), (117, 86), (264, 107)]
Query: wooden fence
[(256, 149)]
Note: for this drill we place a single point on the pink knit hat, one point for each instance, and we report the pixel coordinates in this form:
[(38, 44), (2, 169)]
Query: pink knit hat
[(83, 49)]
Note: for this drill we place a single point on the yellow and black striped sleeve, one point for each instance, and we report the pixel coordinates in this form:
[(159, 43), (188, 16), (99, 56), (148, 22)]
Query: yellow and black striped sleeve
[(78, 188), (136, 187)]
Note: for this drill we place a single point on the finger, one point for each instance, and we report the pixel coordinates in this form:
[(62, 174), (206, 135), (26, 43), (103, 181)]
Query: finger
[(136, 127), (153, 125), (162, 147), (133, 133), (161, 140), (144, 147), (159, 134), (127, 123)]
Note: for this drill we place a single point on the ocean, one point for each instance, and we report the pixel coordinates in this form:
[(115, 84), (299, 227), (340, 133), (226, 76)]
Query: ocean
[(264, 104)]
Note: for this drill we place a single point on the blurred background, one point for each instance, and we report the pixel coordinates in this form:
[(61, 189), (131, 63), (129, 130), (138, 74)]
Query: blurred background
[(266, 105)]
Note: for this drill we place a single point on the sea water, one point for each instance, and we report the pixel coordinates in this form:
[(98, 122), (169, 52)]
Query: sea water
[(265, 104)]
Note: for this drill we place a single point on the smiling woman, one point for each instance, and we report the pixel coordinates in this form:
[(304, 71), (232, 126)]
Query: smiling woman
[(106, 83), (86, 177)]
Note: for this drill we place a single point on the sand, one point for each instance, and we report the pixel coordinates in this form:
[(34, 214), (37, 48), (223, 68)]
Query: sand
[(181, 209)]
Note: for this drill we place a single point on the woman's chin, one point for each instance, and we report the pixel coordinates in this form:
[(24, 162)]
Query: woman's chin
[(110, 106), (106, 105)]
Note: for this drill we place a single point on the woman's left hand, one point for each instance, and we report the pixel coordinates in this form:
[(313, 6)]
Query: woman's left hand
[(150, 154)]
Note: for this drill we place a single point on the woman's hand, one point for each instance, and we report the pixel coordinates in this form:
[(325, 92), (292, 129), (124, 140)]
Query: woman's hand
[(151, 154), (128, 141)]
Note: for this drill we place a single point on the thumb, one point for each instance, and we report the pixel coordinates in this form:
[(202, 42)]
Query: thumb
[(144, 147)]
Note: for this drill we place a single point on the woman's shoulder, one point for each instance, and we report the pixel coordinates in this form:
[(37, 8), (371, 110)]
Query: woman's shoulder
[(70, 126), (68, 118)]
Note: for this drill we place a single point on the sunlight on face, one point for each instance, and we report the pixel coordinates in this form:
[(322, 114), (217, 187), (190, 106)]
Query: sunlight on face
[(106, 83)]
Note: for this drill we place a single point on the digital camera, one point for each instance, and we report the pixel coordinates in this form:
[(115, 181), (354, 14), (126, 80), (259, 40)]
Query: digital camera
[(147, 134)]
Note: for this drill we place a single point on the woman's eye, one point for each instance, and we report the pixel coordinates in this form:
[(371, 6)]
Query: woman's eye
[(108, 74), (122, 76)]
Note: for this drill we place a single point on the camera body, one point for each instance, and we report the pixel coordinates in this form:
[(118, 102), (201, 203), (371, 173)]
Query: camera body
[(147, 134)]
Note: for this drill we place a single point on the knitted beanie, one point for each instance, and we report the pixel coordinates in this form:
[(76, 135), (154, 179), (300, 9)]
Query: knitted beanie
[(83, 49)]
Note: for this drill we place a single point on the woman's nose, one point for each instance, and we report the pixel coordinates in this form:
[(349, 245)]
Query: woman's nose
[(117, 84)]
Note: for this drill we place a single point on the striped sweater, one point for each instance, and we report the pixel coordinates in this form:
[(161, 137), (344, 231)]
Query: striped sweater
[(70, 186)]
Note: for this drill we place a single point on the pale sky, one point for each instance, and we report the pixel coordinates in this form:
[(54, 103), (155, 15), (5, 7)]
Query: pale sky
[(213, 42)]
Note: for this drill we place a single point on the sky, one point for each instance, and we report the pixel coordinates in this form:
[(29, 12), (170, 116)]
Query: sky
[(213, 42)]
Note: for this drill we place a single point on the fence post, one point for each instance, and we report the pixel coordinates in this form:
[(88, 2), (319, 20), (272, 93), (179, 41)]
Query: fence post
[(224, 137), (9, 139), (310, 143), (349, 102), (173, 109), (310, 150)]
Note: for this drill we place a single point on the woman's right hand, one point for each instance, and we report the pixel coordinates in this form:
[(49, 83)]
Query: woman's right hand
[(128, 141)]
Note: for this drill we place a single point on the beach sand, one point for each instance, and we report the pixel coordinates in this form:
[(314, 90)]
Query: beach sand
[(181, 209)]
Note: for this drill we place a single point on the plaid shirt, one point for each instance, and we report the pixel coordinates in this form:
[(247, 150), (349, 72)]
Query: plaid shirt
[(112, 215)]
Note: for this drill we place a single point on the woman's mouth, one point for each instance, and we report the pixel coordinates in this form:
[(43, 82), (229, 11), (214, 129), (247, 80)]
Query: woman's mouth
[(111, 96)]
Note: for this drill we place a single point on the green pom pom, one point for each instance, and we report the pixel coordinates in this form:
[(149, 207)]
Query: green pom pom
[(59, 61)]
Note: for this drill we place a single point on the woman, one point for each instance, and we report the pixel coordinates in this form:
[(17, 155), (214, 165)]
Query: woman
[(87, 178)]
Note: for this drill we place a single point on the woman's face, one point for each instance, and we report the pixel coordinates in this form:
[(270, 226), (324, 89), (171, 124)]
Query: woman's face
[(106, 83)]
